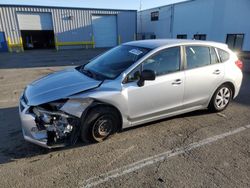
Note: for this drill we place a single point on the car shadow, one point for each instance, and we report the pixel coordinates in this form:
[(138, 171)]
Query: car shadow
[(190, 114), (13, 146), (244, 95)]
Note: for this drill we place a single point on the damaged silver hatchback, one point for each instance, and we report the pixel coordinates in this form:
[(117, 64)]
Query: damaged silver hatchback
[(132, 84)]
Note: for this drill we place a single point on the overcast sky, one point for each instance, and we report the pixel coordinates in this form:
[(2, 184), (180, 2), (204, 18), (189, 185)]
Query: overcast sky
[(113, 4)]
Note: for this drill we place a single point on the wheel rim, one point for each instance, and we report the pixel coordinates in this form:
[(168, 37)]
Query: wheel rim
[(102, 127), (222, 98)]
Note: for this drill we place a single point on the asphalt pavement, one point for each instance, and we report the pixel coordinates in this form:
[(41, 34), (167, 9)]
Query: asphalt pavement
[(198, 149)]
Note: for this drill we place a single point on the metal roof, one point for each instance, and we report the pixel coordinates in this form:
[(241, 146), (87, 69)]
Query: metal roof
[(156, 43), (159, 7), (61, 7)]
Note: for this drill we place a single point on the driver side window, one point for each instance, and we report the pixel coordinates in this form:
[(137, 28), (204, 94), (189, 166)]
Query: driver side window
[(164, 62)]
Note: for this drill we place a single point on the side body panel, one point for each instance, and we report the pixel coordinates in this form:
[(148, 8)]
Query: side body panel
[(155, 98), (200, 84)]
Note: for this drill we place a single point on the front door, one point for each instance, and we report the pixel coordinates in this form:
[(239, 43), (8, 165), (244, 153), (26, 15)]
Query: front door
[(158, 97)]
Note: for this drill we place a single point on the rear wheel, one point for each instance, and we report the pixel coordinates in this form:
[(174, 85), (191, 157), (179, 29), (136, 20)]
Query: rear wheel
[(99, 124), (221, 98)]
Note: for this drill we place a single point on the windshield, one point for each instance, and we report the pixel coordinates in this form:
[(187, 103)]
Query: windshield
[(112, 63)]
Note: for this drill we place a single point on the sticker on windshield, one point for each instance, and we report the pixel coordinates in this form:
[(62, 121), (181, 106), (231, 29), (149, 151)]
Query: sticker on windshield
[(135, 52)]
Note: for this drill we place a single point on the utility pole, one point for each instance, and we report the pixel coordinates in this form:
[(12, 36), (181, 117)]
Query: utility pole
[(172, 21), (140, 16)]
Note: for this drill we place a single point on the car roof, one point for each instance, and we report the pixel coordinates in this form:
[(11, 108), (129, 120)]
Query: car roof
[(156, 43)]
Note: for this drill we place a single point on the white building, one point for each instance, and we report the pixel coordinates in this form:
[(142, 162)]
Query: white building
[(224, 21)]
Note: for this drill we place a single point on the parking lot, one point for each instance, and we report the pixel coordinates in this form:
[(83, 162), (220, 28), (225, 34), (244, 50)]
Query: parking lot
[(198, 149)]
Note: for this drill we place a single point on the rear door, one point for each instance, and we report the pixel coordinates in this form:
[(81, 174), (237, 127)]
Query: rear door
[(203, 75)]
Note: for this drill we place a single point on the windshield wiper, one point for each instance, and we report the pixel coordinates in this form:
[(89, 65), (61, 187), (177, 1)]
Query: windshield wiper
[(92, 74), (88, 73)]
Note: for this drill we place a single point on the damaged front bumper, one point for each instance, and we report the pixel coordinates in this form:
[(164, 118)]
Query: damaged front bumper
[(46, 128)]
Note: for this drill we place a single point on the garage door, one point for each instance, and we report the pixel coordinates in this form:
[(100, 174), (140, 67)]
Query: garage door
[(105, 30), (34, 21)]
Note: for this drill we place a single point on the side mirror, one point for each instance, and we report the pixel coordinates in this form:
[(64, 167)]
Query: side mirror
[(146, 75)]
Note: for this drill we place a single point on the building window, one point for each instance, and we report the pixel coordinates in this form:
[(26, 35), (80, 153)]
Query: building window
[(153, 36), (235, 41), (155, 16), (181, 37), (200, 37)]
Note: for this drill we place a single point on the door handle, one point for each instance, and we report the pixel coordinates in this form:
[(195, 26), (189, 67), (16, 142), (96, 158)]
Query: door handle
[(216, 72), (177, 82)]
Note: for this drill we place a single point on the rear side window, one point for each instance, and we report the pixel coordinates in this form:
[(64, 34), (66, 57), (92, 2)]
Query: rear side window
[(197, 56), (224, 56)]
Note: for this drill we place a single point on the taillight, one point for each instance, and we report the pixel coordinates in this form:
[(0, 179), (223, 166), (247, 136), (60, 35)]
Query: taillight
[(239, 64)]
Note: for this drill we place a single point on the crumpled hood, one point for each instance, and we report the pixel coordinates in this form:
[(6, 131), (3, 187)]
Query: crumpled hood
[(58, 85)]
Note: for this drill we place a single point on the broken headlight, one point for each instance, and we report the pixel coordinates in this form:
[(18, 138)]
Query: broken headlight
[(55, 105), (59, 125)]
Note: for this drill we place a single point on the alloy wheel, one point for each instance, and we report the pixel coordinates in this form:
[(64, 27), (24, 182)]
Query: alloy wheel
[(222, 98)]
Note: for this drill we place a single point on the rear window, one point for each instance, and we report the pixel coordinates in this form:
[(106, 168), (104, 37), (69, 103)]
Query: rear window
[(224, 56)]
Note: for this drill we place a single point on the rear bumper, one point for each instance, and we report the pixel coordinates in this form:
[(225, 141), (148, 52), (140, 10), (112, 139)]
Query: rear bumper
[(237, 84)]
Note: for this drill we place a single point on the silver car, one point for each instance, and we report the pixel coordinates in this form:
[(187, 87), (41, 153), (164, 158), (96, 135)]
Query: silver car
[(129, 85)]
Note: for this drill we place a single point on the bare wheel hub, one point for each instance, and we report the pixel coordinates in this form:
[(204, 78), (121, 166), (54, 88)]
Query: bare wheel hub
[(102, 127)]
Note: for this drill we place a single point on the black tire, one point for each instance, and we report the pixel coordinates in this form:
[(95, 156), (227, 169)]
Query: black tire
[(225, 99), (98, 119)]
